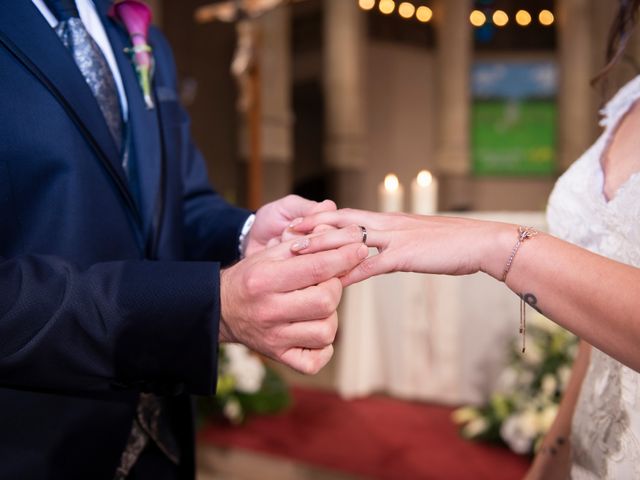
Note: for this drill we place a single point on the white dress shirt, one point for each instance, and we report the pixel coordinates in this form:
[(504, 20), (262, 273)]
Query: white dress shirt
[(92, 23)]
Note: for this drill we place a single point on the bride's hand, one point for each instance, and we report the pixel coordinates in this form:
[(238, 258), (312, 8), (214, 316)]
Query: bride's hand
[(414, 243)]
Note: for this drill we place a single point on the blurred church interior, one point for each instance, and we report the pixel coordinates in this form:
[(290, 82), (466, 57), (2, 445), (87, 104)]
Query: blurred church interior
[(491, 97)]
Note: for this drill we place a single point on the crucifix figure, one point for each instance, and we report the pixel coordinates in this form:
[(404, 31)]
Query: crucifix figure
[(245, 68)]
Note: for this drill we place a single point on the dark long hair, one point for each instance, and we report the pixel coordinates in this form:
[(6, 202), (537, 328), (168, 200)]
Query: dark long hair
[(619, 34)]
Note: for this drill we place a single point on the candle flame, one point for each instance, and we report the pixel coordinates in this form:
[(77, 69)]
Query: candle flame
[(424, 178), (391, 183)]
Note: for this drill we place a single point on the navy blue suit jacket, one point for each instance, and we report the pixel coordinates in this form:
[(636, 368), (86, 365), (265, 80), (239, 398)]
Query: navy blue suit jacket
[(104, 291)]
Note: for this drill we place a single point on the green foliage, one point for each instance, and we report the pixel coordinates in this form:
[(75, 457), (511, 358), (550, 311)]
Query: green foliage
[(272, 398), (523, 407)]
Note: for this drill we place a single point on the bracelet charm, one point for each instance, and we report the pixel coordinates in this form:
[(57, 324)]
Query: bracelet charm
[(524, 233)]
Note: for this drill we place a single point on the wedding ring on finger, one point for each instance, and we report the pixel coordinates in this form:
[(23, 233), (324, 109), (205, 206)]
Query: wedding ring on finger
[(364, 234)]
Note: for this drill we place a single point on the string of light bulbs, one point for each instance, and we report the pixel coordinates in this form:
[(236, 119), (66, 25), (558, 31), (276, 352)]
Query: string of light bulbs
[(477, 18), (406, 10)]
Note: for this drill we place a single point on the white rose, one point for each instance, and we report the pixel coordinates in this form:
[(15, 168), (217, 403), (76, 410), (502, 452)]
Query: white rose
[(564, 373), (529, 423), (549, 385), (464, 414), (546, 418), (475, 427), (233, 411), (245, 367), (533, 354), (513, 433)]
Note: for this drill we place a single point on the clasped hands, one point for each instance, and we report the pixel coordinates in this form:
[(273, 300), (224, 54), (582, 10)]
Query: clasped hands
[(281, 299), (282, 304)]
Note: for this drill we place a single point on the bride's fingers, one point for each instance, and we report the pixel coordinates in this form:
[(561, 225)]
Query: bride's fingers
[(323, 228), (273, 242), (291, 233), (333, 239), (375, 265), (339, 218)]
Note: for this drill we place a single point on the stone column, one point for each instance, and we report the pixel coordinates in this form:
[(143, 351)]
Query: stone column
[(277, 116), (575, 37), (343, 56), (454, 56)]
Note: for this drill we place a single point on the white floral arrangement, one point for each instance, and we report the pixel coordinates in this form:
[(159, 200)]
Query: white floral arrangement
[(525, 402), (245, 386)]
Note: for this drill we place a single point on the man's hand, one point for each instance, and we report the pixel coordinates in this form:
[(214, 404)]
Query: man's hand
[(284, 306), (273, 219)]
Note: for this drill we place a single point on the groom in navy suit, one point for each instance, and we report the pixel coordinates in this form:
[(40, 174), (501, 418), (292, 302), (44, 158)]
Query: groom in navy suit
[(119, 269)]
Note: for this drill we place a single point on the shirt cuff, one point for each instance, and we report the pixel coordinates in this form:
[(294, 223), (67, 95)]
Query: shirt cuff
[(244, 233)]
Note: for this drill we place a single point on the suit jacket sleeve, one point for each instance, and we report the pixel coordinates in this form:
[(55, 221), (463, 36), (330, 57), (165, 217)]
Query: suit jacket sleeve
[(139, 325), (212, 226)]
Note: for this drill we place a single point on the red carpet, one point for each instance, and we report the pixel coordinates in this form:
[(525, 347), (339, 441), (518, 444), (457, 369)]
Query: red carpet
[(378, 437)]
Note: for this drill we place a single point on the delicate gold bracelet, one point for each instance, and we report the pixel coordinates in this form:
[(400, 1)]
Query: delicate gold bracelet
[(524, 233)]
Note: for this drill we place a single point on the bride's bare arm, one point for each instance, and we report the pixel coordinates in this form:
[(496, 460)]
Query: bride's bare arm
[(596, 298), (552, 461)]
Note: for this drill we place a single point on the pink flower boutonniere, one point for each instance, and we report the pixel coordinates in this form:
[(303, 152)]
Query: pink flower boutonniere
[(136, 17)]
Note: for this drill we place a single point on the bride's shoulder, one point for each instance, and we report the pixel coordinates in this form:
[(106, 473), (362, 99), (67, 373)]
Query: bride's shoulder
[(620, 102)]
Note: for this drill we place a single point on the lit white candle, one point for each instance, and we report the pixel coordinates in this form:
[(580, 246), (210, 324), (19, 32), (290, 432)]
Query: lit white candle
[(391, 194), (424, 194)]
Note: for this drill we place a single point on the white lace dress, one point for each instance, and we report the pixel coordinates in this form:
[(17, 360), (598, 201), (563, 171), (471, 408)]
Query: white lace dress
[(605, 433)]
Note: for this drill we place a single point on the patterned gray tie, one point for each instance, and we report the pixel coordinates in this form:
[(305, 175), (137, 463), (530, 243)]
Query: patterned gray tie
[(91, 62), (151, 424)]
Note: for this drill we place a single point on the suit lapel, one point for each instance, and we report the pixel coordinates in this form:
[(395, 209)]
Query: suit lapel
[(29, 37), (146, 150)]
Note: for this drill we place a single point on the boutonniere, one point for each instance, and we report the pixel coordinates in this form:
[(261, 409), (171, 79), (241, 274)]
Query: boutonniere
[(136, 16)]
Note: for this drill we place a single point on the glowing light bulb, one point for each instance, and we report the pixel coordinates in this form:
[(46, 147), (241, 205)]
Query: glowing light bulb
[(406, 10), (367, 4), (477, 18), (391, 183), (523, 18), (546, 18), (500, 18), (387, 6), (424, 14)]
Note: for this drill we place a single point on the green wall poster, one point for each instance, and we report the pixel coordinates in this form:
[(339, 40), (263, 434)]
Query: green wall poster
[(514, 118)]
